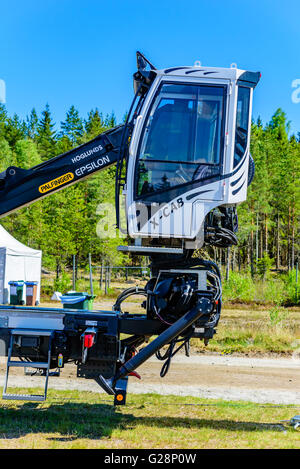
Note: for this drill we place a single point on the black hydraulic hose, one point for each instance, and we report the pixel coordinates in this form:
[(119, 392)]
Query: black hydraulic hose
[(126, 293), (120, 159), (203, 307), (165, 337), (170, 354)]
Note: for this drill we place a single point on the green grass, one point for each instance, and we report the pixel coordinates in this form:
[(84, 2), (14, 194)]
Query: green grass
[(83, 420), (258, 330), (251, 339), (276, 289)]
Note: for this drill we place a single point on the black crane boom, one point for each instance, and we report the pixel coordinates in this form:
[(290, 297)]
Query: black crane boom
[(20, 187)]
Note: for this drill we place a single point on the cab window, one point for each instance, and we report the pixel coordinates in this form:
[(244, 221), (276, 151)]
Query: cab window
[(182, 137), (242, 124)]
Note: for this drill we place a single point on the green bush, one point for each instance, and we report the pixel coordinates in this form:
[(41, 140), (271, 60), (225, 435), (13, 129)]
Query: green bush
[(277, 316), (263, 266), (63, 283), (273, 289), (292, 294), (239, 287)]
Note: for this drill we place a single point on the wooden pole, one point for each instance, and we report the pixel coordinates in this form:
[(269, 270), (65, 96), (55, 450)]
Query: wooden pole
[(74, 272), (91, 274), (106, 280), (297, 281), (228, 264), (101, 276)]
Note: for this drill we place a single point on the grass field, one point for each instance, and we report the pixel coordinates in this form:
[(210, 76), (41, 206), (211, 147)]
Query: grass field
[(256, 330), (85, 420)]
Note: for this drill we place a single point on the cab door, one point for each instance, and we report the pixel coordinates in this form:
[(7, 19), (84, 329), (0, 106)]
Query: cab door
[(177, 150)]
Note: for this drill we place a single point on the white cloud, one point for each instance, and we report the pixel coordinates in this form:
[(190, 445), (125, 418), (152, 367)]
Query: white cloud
[(2, 91), (296, 93)]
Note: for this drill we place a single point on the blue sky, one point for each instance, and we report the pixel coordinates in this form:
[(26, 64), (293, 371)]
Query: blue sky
[(65, 52)]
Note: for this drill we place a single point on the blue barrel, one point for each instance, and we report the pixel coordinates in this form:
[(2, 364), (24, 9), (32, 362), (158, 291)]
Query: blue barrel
[(77, 300)]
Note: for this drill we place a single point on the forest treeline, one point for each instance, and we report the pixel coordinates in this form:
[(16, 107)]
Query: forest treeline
[(64, 223)]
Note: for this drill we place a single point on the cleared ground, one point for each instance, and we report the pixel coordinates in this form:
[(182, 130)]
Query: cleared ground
[(212, 399), (262, 380)]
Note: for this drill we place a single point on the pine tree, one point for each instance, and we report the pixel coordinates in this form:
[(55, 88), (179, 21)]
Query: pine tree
[(94, 125), (27, 154), (110, 120), (15, 129), (6, 155), (72, 127), (3, 120), (32, 124), (46, 135)]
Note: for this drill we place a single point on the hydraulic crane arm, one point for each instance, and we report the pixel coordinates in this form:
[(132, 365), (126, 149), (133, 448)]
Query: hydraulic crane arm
[(20, 187), (182, 165)]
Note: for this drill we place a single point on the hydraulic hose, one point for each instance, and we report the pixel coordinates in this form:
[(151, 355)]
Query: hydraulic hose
[(203, 307)]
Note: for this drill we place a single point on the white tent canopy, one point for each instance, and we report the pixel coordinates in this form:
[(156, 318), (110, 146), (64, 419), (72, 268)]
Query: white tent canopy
[(17, 262)]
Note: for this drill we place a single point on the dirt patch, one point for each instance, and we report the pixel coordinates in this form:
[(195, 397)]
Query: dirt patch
[(231, 378)]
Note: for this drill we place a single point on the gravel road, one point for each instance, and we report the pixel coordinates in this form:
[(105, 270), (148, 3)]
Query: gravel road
[(261, 380)]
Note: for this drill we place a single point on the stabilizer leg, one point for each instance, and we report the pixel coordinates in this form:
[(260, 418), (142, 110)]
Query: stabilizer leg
[(204, 306), (106, 384), (121, 391)]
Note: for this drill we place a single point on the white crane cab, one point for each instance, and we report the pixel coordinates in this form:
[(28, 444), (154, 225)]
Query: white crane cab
[(189, 154)]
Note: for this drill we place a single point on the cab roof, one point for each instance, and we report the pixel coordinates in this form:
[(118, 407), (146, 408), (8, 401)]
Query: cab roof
[(233, 73)]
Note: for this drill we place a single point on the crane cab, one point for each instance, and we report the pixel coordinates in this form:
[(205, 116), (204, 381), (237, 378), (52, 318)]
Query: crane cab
[(189, 152)]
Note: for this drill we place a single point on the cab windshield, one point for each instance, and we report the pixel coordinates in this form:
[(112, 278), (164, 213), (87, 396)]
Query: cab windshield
[(182, 138)]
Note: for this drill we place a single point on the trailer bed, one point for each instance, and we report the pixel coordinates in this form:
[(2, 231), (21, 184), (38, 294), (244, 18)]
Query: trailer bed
[(45, 318)]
